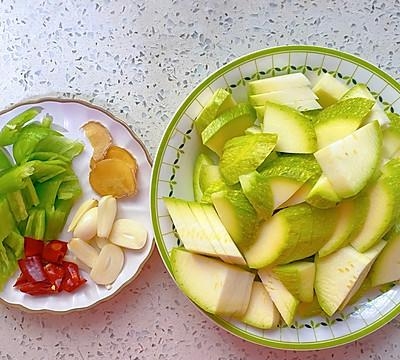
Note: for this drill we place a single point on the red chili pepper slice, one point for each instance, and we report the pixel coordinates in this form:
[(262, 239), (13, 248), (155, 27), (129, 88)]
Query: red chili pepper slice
[(54, 251), (39, 288), (32, 269), (54, 274), (43, 270), (33, 247), (72, 279), (21, 280)]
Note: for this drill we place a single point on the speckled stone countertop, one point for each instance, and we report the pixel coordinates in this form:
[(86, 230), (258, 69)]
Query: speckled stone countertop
[(139, 59)]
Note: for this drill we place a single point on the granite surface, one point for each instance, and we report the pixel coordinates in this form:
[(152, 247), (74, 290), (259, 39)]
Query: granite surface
[(139, 59)]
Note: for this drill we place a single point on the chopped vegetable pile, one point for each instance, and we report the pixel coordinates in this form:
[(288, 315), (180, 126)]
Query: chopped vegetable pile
[(296, 201), (38, 186), (44, 270)]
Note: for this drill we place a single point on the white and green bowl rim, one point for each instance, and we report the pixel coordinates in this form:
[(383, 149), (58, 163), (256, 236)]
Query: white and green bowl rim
[(356, 321)]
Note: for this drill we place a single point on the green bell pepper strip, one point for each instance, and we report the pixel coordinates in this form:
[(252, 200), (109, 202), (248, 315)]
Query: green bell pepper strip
[(5, 159), (29, 194), (8, 263), (36, 225), (10, 132), (7, 222), (66, 147), (17, 205), (45, 170), (57, 217), (15, 241), (28, 138), (14, 178)]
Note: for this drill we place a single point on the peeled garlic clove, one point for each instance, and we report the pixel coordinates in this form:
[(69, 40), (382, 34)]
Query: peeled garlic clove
[(100, 241), (128, 233), (81, 265), (86, 228), (108, 265), (83, 251), (106, 215), (87, 205)]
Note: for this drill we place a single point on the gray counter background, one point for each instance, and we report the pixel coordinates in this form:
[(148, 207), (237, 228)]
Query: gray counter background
[(139, 59)]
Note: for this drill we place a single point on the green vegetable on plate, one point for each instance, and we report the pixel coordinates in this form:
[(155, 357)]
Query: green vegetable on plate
[(37, 184)]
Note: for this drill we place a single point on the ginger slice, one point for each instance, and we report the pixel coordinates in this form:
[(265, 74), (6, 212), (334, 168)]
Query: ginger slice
[(117, 152), (113, 177), (99, 137)]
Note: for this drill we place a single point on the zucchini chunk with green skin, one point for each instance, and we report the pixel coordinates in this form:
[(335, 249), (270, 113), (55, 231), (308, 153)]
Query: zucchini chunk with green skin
[(215, 186), (300, 167), (308, 309), (229, 124), (283, 96), (243, 154), (363, 282), (277, 83), (386, 268), (329, 89), (261, 312), (189, 231), (209, 176), (221, 101), (284, 301), (391, 142), (347, 216), (298, 278), (202, 222), (231, 251), (258, 191), (299, 105), (213, 285), (384, 207), (291, 234), (295, 131), (299, 196), (322, 194), (341, 119), (282, 189), (350, 163), (254, 129), (201, 230), (376, 113), (336, 275), (238, 216), (202, 159)]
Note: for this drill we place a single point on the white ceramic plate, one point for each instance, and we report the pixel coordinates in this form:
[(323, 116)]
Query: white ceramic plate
[(71, 115), (172, 176)]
